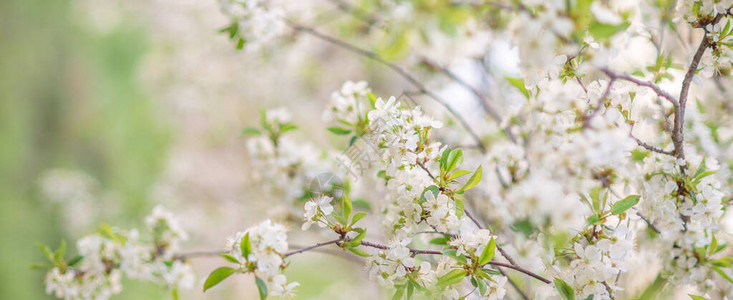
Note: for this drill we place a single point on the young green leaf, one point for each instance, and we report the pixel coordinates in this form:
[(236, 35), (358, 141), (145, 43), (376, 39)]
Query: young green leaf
[(455, 159), (473, 181), (245, 246), (287, 127), (444, 159), (228, 257), (518, 83), (623, 205), (251, 131), (74, 261), (217, 276), (697, 297), (356, 241), (488, 254), (566, 291), (261, 288), (460, 206), (58, 255), (452, 277), (347, 206), (357, 217), (458, 174), (47, 252), (359, 252), (339, 131), (443, 240)]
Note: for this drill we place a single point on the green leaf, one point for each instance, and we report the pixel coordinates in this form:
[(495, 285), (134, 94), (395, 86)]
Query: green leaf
[(638, 155), (372, 99), (433, 189), (356, 241), (246, 246), (452, 277), (595, 196), (74, 261), (357, 217), (339, 131), (347, 206), (174, 294), (228, 257), (458, 173), (455, 159), (399, 293), (240, 44), (47, 252), (359, 252), (261, 287), (473, 181), (452, 253), (251, 131), (488, 254), (723, 274), (654, 288), (217, 276), (443, 240), (713, 246), (58, 255), (566, 292), (361, 203), (601, 31), (40, 266), (444, 159), (287, 127), (460, 206), (697, 297), (594, 220), (623, 205), (518, 83)]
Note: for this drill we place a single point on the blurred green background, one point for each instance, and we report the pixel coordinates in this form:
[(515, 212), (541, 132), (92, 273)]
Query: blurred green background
[(68, 99)]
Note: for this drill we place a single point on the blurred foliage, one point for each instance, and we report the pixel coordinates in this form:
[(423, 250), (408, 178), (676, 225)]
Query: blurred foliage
[(69, 98)]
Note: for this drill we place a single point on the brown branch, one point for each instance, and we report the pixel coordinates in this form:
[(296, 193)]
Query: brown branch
[(599, 103), (648, 84), (397, 69), (493, 263), (650, 147)]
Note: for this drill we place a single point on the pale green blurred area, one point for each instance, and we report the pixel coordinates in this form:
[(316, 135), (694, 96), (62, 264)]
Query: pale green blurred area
[(71, 98), (68, 99)]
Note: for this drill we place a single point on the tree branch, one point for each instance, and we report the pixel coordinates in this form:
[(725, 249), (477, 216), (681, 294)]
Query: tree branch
[(397, 69), (313, 247), (648, 84)]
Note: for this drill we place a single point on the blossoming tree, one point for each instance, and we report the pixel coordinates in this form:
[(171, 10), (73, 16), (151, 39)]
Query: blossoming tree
[(609, 145)]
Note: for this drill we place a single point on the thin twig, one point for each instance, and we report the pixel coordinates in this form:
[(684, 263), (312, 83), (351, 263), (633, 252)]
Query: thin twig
[(313, 247), (514, 285), (599, 103), (481, 226), (650, 147), (493, 263), (399, 70), (638, 82), (476, 93)]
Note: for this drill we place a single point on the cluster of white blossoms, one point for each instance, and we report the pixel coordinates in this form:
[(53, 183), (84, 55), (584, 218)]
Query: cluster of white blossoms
[(253, 23), (317, 211), (103, 259), (594, 271), (348, 104), (265, 246), (282, 164)]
